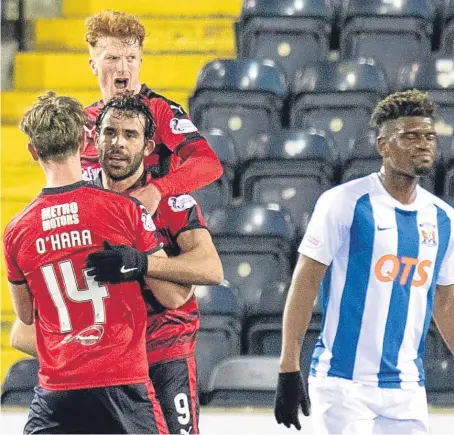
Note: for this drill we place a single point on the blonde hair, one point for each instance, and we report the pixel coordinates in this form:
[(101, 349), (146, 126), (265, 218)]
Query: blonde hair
[(55, 126), (117, 24)]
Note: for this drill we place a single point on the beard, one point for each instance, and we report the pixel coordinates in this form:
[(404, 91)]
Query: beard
[(120, 173), (422, 171)]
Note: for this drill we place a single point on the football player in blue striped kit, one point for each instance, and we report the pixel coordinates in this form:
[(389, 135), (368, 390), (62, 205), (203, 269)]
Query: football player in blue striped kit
[(383, 249)]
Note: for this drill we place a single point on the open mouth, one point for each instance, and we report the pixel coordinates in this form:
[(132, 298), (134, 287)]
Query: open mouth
[(121, 84)]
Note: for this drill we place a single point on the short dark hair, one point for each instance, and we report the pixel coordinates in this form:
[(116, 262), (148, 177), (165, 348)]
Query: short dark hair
[(130, 106), (55, 126), (406, 103)]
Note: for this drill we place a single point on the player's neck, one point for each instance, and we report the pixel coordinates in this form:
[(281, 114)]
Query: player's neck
[(121, 185), (400, 186), (64, 173)]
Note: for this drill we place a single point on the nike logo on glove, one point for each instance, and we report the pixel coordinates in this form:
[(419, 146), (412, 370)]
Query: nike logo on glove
[(123, 270)]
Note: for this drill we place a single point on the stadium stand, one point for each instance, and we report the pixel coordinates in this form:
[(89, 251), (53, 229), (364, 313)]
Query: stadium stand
[(241, 97), (337, 97), (254, 244), (244, 381), (290, 168), (286, 123), (291, 33), (394, 33)]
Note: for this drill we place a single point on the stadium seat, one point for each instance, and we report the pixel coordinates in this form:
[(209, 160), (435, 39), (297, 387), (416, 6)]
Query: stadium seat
[(220, 328), (20, 381), (254, 244), (449, 182), (291, 33), (393, 33), (439, 368), (291, 168), (219, 193), (244, 381), (448, 32), (240, 97), (338, 98), (364, 159), (264, 331), (437, 77)]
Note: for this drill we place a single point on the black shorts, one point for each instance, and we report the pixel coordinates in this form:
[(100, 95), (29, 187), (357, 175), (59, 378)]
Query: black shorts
[(175, 383), (114, 410)]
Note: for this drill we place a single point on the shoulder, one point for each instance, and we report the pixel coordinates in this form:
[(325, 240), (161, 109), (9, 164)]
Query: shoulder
[(94, 108), (111, 197), (20, 219), (441, 205)]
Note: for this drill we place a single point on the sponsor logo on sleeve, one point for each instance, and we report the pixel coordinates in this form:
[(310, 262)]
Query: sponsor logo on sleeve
[(182, 202), (312, 241), (147, 220), (181, 126)]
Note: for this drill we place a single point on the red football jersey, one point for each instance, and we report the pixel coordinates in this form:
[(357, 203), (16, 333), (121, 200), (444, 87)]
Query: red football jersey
[(171, 334), (174, 133), (87, 333)]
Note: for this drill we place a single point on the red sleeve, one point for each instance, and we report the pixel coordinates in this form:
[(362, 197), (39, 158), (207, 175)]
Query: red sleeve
[(200, 165), (144, 230), (181, 213), (13, 273)]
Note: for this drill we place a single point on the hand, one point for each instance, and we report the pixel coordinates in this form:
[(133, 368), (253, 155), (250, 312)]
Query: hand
[(291, 393), (149, 196), (117, 263)]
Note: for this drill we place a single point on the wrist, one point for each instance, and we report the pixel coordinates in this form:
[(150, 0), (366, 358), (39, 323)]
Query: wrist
[(289, 367), (143, 263)]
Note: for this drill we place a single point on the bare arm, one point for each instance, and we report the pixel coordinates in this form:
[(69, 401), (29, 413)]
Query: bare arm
[(169, 294), (444, 313), (23, 338), (198, 263), (22, 302), (298, 310)]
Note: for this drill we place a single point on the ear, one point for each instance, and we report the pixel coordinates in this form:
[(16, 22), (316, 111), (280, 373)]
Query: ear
[(93, 66), (149, 147), (32, 151), (383, 146)]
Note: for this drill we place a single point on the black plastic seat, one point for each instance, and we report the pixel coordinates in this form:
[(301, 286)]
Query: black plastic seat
[(219, 193), (393, 33), (293, 33), (437, 77), (448, 31), (240, 97), (219, 336), (244, 381), (290, 168), (20, 381), (338, 98), (254, 244)]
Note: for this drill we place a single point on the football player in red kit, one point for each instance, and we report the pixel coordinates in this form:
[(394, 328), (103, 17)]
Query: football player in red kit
[(87, 333), (124, 139), (115, 42)]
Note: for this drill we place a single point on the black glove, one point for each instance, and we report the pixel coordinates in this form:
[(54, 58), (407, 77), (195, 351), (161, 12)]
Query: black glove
[(117, 263), (291, 393)]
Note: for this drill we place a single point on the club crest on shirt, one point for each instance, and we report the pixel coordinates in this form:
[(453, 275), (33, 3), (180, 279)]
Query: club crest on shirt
[(180, 126), (147, 220), (182, 202), (428, 234)]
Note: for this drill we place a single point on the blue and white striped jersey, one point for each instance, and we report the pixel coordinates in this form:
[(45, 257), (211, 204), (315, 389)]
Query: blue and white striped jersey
[(385, 260)]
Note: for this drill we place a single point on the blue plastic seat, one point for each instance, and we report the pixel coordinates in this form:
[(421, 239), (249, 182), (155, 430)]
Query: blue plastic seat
[(293, 33), (240, 97), (219, 193), (393, 33), (254, 244), (337, 98), (290, 168), (219, 336)]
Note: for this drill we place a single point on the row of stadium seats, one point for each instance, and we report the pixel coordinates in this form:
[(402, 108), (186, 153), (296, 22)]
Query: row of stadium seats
[(232, 373), (293, 33), (245, 98), (291, 168)]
